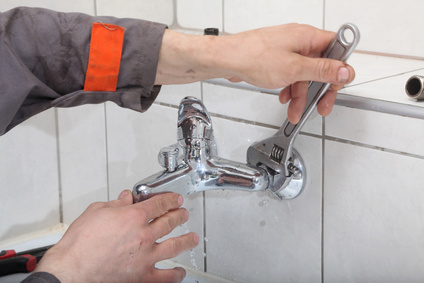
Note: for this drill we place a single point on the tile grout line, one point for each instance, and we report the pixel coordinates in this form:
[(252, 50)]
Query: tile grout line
[(323, 14), (322, 196), (326, 137), (105, 132), (106, 154), (59, 169), (373, 147), (383, 78), (205, 261), (322, 171), (223, 15), (95, 7)]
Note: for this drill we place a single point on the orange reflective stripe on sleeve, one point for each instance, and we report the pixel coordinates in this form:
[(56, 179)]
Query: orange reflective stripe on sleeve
[(104, 57)]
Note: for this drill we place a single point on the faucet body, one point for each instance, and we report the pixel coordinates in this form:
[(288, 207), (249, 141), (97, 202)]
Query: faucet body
[(192, 165)]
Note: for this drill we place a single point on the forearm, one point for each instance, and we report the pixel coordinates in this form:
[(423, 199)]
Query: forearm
[(272, 57), (285, 56), (185, 58)]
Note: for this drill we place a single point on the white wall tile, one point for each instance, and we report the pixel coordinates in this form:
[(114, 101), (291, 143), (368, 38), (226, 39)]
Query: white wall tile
[(82, 145), (373, 216), (241, 15), (234, 138), (378, 129), (134, 141), (252, 106), (254, 238), (29, 194), (388, 27), (82, 6), (199, 14), (161, 11)]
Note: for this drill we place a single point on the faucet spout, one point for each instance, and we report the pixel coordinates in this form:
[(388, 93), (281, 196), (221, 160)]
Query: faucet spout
[(215, 173)]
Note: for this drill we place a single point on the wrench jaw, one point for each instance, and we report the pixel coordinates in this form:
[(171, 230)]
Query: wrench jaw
[(285, 167)]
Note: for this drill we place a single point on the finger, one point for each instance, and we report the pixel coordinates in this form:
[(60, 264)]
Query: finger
[(172, 247), (285, 95), (158, 205), (324, 70), (125, 198), (176, 274), (164, 225), (326, 103), (298, 101)]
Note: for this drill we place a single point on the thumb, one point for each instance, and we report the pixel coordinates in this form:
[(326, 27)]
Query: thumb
[(125, 197), (326, 70)]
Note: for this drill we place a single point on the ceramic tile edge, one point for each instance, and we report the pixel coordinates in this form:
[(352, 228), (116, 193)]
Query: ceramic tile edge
[(328, 138), (345, 99), (58, 229), (381, 106)]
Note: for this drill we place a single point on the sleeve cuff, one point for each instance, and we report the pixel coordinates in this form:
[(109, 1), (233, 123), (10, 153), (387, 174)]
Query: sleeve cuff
[(41, 277)]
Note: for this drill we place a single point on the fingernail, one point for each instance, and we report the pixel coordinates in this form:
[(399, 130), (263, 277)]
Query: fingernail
[(123, 194), (195, 238), (186, 215), (180, 200), (343, 75)]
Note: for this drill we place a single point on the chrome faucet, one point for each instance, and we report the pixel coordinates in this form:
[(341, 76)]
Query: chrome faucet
[(192, 165)]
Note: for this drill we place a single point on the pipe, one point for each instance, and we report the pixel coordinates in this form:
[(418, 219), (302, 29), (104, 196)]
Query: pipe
[(414, 87)]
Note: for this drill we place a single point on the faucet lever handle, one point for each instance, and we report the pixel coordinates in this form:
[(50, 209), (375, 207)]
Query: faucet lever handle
[(194, 122)]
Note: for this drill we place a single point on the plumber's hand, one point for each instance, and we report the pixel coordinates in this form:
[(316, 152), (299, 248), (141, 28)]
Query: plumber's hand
[(289, 56), (273, 57), (116, 242)]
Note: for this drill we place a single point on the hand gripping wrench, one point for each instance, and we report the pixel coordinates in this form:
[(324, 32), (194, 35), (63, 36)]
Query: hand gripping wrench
[(287, 175)]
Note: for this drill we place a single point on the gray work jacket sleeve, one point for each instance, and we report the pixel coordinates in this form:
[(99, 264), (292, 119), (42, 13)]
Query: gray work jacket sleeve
[(44, 58)]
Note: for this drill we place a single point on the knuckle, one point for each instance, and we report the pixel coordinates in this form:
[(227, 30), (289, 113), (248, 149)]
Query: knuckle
[(146, 236), (325, 70), (161, 204), (175, 248), (169, 223), (141, 213)]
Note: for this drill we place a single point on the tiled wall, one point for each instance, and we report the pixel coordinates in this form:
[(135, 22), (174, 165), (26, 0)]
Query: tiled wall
[(360, 218)]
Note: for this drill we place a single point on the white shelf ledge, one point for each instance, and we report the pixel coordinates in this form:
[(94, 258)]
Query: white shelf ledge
[(378, 86)]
